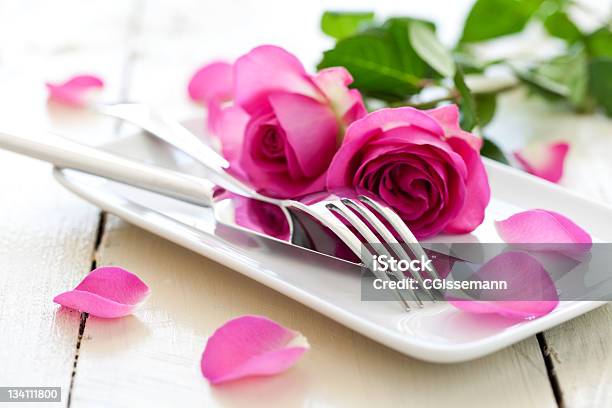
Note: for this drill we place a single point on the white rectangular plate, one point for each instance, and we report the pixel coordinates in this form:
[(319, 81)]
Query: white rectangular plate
[(437, 333)]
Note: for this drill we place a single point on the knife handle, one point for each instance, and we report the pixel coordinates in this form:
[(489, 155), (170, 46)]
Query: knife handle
[(66, 153)]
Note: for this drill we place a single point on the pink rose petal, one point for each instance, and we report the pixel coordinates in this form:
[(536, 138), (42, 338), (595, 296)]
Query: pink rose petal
[(211, 82), (301, 117), (544, 160), (531, 292), (73, 92), (348, 105), (250, 346), (229, 125), (107, 291), (267, 69), (448, 117), (548, 229), (478, 192)]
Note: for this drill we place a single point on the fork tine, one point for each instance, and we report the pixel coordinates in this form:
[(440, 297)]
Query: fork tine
[(383, 276), (366, 232), (398, 224), (387, 236), (329, 220)]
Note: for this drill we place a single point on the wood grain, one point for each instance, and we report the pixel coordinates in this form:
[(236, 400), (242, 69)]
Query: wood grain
[(46, 241), (581, 356)]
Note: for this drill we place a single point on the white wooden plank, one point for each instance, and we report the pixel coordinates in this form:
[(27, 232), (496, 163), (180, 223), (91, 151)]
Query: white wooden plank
[(42, 41), (46, 241), (46, 234), (152, 358), (581, 354)]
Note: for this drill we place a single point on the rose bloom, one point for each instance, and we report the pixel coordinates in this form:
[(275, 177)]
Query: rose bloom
[(282, 126), (418, 162)]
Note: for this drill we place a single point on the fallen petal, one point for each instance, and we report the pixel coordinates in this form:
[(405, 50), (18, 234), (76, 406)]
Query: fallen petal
[(544, 160), (548, 230), (74, 91), (250, 346), (107, 291), (530, 292)]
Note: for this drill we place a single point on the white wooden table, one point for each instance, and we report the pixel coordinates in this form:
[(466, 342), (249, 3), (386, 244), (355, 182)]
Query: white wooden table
[(50, 239)]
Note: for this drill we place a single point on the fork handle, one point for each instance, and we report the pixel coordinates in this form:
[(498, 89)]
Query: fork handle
[(65, 153)]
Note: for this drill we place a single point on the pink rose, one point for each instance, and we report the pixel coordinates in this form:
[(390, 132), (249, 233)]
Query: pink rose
[(418, 162), (283, 126)]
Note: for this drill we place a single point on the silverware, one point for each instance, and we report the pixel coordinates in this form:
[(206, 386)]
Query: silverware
[(325, 211), (66, 153), (172, 132), (339, 213)]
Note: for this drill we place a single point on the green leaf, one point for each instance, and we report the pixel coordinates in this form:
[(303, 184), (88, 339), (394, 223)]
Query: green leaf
[(485, 107), (469, 116), (398, 28), (382, 61), (469, 63), (542, 86), (340, 25), (563, 77), (600, 73), (571, 71), (599, 43), (476, 110), (427, 46), (559, 25), (492, 151), (374, 64), (493, 18)]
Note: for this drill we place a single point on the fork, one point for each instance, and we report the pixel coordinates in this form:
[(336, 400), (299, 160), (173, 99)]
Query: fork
[(364, 214), (358, 222)]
